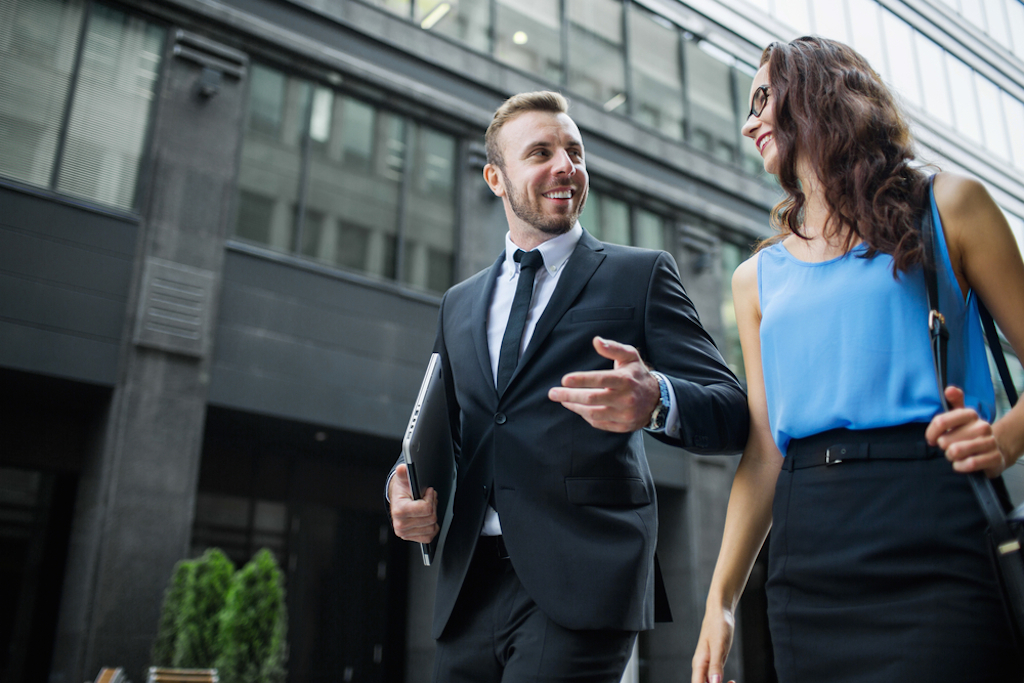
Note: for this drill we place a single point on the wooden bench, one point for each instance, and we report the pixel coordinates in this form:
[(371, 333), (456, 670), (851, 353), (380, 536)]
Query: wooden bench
[(160, 675)]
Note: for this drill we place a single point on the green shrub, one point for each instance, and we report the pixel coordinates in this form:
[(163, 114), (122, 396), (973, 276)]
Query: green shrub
[(254, 625), (174, 599), (197, 644)]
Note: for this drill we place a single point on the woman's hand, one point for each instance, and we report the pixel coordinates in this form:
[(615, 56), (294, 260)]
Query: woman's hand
[(968, 440), (713, 645)]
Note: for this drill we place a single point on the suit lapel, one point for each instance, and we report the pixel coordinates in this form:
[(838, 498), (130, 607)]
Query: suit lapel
[(582, 265), (480, 313)]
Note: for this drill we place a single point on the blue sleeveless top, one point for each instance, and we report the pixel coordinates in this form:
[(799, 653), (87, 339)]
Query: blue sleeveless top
[(844, 344)]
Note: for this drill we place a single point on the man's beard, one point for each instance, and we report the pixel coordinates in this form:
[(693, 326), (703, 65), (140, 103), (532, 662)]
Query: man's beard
[(549, 225)]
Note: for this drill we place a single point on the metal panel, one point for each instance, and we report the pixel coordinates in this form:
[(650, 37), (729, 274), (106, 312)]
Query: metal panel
[(327, 349), (64, 278), (174, 308)]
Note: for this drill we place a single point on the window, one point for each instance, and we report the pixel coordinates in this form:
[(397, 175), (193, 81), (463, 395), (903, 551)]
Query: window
[(528, 36), (596, 62), (972, 10), (867, 34), (830, 20), (466, 20), (934, 79), (899, 42), (732, 256), (74, 116), (750, 158), (1015, 17), (997, 18), (1017, 226), (713, 123), (399, 7), (428, 251), (656, 72), (334, 180), (685, 88), (794, 13), (1014, 109), (965, 101), (606, 218), (613, 220), (239, 526), (992, 122), (649, 230)]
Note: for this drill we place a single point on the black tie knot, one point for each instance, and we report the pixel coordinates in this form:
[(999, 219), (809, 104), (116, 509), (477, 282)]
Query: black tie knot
[(530, 260)]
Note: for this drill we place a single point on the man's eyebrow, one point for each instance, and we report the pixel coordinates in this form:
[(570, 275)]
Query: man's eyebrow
[(547, 144)]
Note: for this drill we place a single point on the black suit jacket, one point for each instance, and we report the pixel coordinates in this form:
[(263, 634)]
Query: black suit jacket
[(577, 504)]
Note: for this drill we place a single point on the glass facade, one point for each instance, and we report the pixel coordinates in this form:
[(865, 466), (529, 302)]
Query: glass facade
[(341, 181), (1003, 20), (656, 73), (732, 256), (682, 82), (596, 64), (713, 125), (468, 21), (611, 219), (528, 36), (932, 82), (77, 82), (615, 53)]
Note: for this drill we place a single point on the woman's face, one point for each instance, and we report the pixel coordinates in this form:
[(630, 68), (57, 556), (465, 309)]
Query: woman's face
[(758, 126)]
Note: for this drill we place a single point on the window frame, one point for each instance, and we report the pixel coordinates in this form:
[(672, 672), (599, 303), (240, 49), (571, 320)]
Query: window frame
[(413, 116)]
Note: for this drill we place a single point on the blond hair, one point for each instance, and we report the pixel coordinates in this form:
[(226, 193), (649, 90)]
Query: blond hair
[(541, 100)]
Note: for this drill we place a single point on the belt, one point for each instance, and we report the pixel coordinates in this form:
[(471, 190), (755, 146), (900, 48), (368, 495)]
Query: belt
[(491, 548), (905, 442)]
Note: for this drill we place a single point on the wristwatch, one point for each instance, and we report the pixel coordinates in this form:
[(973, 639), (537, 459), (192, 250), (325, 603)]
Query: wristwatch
[(660, 414)]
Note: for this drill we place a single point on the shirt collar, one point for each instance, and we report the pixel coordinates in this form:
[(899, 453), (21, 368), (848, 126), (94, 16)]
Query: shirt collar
[(555, 251)]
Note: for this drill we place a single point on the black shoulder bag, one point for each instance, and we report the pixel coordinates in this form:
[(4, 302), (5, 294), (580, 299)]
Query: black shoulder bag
[(1006, 530)]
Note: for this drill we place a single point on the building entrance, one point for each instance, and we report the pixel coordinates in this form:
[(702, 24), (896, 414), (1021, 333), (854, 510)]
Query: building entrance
[(36, 509)]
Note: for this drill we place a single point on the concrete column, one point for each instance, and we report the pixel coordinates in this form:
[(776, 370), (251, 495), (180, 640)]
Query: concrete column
[(137, 496)]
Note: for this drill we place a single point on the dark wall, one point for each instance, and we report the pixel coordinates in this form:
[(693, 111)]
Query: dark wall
[(64, 279), (318, 347)]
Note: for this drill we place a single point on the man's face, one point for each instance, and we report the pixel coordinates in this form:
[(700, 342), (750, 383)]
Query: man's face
[(544, 179)]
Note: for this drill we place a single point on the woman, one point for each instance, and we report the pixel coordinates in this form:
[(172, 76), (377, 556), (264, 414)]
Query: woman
[(878, 569)]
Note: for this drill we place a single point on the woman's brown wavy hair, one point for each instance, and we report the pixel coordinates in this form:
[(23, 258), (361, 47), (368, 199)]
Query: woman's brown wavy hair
[(832, 107)]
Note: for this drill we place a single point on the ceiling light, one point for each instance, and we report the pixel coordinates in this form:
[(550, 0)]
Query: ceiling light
[(615, 102), (435, 15), (520, 38)]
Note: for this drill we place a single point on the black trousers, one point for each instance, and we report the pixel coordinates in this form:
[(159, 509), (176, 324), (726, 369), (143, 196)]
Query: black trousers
[(497, 634), (879, 568)]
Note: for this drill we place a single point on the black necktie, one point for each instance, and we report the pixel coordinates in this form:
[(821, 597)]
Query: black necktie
[(529, 262)]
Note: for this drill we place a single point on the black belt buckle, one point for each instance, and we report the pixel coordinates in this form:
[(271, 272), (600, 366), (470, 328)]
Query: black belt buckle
[(834, 455)]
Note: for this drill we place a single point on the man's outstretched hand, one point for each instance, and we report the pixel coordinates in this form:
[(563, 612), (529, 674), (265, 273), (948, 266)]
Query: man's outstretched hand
[(617, 400)]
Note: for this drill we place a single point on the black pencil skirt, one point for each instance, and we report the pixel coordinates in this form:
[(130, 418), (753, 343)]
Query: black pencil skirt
[(879, 569)]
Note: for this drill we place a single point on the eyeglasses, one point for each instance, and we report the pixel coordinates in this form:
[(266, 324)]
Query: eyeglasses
[(759, 101)]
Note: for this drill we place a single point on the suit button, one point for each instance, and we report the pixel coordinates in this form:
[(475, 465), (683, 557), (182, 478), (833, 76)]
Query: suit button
[(500, 418)]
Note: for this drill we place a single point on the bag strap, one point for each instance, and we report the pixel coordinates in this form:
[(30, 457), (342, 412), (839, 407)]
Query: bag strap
[(937, 330), (984, 491), (996, 347)]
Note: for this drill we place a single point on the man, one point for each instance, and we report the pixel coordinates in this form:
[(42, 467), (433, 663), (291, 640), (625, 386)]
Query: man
[(548, 567)]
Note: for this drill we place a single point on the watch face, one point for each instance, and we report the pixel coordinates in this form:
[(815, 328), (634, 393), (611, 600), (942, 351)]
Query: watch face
[(658, 417)]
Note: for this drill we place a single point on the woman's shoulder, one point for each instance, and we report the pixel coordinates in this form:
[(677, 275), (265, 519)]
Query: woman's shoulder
[(976, 231), (744, 278), (958, 196)]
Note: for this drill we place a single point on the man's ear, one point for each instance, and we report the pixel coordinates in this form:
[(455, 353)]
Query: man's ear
[(492, 176)]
